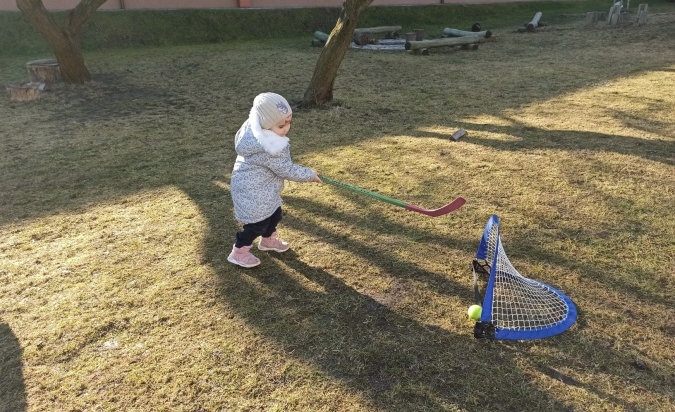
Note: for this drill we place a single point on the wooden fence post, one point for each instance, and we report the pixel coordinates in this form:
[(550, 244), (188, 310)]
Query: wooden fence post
[(614, 15), (642, 14)]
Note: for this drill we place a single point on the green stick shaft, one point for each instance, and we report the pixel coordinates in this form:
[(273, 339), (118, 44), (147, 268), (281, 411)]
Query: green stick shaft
[(363, 191)]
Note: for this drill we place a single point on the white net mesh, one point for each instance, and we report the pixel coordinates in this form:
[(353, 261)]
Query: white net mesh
[(519, 303)]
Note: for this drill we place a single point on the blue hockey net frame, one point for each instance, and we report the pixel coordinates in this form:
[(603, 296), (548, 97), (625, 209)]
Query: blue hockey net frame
[(516, 307)]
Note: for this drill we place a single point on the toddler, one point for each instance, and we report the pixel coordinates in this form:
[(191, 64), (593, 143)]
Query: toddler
[(263, 163)]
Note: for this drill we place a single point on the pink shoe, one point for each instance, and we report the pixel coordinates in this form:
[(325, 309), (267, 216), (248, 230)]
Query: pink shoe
[(273, 243), (243, 257)]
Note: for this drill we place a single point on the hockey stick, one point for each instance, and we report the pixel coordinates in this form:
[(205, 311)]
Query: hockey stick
[(449, 208)]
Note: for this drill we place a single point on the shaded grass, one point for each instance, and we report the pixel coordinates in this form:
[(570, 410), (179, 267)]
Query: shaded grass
[(115, 224)]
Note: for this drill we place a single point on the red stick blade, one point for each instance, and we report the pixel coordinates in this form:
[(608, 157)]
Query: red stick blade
[(449, 208)]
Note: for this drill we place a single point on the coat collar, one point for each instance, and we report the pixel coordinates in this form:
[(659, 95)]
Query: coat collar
[(270, 141)]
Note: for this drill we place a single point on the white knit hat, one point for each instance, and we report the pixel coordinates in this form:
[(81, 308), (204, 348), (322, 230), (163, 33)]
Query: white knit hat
[(271, 109)]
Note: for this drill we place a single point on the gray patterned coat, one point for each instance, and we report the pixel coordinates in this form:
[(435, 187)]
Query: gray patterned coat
[(262, 165)]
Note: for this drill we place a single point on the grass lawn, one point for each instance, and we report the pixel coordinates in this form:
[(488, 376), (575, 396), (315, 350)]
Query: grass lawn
[(116, 222)]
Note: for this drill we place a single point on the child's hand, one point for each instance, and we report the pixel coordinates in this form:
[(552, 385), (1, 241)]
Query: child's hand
[(316, 179)]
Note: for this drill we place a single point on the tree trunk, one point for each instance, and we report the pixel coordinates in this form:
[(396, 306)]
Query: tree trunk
[(71, 62), (320, 90), (65, 42)]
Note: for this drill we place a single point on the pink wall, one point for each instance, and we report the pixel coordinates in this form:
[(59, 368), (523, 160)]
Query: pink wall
[(217, 4)]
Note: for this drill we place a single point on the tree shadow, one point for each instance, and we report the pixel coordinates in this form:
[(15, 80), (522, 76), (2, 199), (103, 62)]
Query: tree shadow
[(662, 151), (12, 387)]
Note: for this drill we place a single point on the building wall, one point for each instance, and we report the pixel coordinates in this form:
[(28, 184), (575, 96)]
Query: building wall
[(217, 4)]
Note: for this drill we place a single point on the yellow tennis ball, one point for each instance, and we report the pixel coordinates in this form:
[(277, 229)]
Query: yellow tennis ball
[(475, 311)]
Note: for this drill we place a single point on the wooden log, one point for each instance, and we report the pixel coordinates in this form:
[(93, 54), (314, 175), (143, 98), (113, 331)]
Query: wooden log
[(44, 71), (448, 41), (379, 29), (411, 36), (461, 33), (321, 36), (318, 43), (534, 23)]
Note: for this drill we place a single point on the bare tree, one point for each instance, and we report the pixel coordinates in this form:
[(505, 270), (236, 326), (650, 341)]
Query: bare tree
[(64, 41), (320, 89)]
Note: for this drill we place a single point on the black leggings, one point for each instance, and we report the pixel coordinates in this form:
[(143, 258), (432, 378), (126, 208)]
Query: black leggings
[(264, 228)]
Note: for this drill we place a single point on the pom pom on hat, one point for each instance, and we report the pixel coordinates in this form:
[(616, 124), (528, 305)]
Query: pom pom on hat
[(271, 109)]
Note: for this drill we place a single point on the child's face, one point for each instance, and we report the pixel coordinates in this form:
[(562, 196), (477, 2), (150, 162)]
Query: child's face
[(283, 126)]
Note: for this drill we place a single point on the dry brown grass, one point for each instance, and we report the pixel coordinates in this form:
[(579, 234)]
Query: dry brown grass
[(115, 222)]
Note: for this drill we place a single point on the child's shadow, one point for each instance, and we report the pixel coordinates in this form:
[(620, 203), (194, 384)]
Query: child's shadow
[(12, 387)]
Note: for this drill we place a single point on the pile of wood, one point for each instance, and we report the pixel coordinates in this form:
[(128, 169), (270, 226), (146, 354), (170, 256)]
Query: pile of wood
[(42, 73)]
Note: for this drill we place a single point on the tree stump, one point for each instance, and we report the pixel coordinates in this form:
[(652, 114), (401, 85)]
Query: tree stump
[(44, 71), (419, 34)]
